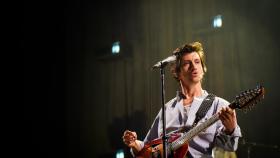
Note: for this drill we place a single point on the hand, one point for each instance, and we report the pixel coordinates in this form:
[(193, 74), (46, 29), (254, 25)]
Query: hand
[(129, 138), (228, 118)]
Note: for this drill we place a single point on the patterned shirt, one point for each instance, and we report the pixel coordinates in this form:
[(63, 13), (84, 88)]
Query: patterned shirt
[(177, 116)]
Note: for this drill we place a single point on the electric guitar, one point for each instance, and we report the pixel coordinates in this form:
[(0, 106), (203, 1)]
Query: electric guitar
[(178, 142)]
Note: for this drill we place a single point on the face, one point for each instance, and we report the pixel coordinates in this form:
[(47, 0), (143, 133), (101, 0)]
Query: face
[(191, 68)]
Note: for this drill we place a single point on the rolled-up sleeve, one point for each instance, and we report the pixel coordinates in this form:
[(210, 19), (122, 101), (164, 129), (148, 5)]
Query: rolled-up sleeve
[(152, 134), (225, 141)]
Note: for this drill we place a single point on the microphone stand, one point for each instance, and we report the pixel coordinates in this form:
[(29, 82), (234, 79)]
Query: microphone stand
[(164, 137)]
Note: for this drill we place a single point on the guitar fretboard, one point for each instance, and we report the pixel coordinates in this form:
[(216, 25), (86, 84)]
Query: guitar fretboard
[(193, 132)]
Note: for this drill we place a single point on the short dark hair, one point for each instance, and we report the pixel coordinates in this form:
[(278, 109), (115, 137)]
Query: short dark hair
[(185, 49)]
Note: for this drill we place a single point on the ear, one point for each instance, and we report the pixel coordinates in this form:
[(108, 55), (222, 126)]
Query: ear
[(202, 76), (179, 75)]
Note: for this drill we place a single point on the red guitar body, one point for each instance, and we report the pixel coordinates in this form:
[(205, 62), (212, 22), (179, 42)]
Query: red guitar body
[(154, 149)]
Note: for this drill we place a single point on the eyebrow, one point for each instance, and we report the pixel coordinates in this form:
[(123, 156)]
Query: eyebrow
[(190, 59)]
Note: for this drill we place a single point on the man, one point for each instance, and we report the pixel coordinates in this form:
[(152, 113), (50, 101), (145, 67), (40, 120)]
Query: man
[(189, 70)]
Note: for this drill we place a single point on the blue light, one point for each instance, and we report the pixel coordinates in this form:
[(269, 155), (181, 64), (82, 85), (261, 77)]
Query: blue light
[(116, 48), (120, 154), (217, 21)]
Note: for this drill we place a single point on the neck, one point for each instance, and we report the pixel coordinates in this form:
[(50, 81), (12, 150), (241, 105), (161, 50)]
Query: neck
[(191, 90)]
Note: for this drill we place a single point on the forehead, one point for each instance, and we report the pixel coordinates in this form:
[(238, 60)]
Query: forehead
[(190, 56)]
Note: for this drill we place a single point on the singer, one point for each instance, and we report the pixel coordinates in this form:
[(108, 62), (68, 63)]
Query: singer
[(183, 112)]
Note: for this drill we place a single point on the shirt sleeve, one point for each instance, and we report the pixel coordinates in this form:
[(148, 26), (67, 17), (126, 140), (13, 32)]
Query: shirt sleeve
[(223, 140), (152, 134), (141, 143)]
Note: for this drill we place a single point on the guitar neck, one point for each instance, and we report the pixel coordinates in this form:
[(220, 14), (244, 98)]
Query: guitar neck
[(245, 100), (193, 132), (186, 137)]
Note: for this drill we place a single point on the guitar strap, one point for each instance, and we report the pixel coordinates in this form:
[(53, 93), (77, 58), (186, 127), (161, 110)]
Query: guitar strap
[(201, 112), (204, 107)]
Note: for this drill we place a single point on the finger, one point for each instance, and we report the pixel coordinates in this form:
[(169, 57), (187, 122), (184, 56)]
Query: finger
[(126, 137), (127, 141), (134, 134), (227, 116), (129, 137), (231, 113), (224, 116), (221, 111), (130, 133), (229, 110), (127, 132), (224, 110)]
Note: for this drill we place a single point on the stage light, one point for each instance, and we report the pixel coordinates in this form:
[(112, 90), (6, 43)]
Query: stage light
[(217, 21), (116, 48), (120, 154)]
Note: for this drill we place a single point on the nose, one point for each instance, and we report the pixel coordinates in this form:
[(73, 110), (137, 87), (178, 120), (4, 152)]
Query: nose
[(193, 65)]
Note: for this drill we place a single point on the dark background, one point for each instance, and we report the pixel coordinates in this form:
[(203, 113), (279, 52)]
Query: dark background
[(78, 99)]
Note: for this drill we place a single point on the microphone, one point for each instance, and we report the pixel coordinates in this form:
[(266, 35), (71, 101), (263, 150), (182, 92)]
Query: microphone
[(164, 62)]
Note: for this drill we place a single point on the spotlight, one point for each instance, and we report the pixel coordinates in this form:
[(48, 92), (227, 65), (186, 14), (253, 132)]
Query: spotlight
[(116, 48), (217, 21), (120, 154)]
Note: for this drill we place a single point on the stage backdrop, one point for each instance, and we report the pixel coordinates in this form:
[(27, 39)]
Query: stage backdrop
[(102, 95)]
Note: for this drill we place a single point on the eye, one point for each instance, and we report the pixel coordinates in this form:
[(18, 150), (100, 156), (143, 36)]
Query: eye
[(197, 61), (185, 63)]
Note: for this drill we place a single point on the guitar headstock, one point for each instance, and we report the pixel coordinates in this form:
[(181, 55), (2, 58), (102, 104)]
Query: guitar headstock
[(247, 99)]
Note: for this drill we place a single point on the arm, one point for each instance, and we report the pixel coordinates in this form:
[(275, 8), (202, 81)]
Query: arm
[(228, 130), (130, 138), (137, 145)]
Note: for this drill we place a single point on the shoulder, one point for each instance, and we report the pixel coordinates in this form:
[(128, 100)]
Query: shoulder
[(218, 101), (221, 101), (171, 102), (168, 105)]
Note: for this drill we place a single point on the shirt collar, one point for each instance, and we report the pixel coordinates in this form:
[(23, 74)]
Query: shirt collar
[(180, 95)]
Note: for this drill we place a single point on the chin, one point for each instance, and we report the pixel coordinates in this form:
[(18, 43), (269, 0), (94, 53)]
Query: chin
[(197, 80)]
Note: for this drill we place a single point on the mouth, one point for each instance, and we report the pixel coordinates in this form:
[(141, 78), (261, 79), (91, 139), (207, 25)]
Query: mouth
[(194, 73)]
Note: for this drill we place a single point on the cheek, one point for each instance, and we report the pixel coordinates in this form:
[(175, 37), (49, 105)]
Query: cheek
[(185, 68), (201, 75), (181, 74), (201, 69)]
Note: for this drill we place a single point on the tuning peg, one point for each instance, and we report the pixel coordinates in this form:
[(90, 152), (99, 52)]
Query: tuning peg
[(250, 107), (245, 110), (259, 86)]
